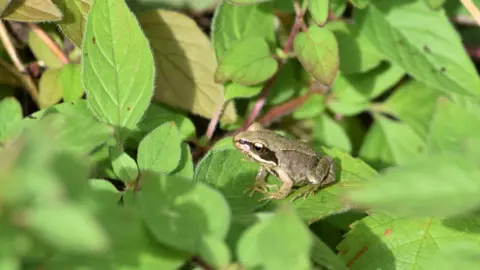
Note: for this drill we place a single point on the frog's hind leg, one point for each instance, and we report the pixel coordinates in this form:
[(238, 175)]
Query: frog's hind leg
[(322, 175)]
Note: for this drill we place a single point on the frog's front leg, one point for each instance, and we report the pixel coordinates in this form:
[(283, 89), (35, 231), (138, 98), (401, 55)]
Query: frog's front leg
[(260, 185), (322, 175), (284, 189)]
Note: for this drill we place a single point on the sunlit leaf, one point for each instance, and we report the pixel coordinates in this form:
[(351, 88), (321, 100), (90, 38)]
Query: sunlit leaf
[(32, 11)]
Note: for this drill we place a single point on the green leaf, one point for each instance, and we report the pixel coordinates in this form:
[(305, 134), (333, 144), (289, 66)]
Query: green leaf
[(235, 90), (66, 227), (78, 107), (461, 256), (314, 106), (244, 65), (227, 171), (117, 93), (10, 115), (453, 129), (31, 11), (439, 186), (185, 166), (414, 104), (42, 52), (289, 81), (350, 172), (74, 18), (360, 3), (390, 142), (50, 88), (435, 4), (181, 213), (3, 6), (9, 75), (185, 64), (123, 165), (260, 247), (415, 46), (356, 53), (383, 241), (232, 23), (246, 2), (215, 252), (160, 150), (323, 255), (71, 81), (319, 10), (317, 50), (327, 132)]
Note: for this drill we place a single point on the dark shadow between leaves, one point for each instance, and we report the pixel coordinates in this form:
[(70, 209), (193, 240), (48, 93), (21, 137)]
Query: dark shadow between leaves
[(466, 223)]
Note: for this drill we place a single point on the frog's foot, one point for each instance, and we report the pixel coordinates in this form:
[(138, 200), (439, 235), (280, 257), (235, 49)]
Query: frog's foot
[(306, 191), (260, 187), (275, 196)]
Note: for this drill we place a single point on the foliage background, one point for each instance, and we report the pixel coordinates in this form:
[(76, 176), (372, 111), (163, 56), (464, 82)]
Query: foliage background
[(117, 117)]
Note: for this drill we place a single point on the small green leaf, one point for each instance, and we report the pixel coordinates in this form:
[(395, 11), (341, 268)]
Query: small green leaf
[(42, 52), (215, 252), (360, 3), (435, 4), (185, 166), (390, 142), (226, 170), (185, 64), (67, 228), (71, 81), (31, 11), (246, 2), (327, 132), (314, 106), (317, 50), (160, 150), (50, 88), (74, 18), (235, 90), (247, 62), (123, 165), (260, 247), (232, 23), (180, 213), (117, 93), (10, 115), (319, 10), (439, 186)]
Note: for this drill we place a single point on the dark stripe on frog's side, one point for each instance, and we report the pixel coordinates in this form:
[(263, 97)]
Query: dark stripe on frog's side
[(264, 154)]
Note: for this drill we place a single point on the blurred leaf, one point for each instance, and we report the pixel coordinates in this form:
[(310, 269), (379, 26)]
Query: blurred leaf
[(327, 132), (230, 25), (118, 94), (435, 4), (54, 224), (455, 8), (181, 213), (390, 142), (383, 241), (32, 11), (319, 10), (226, 171), (349, 172), (415, 46), (160, 150), (453, 129), (461, 256), (3, 6), (356, 53), (8, 74), (185, 64), (244, 65), (42, 52), (50, 88), (10, 115), (78, 107), (323, 255), (360, 3), (215, 252), (123, 165), (288, 82), (74, 19), (195, 5), (246, 2), (314, 106), (338, 7), (260, 247), (71, 81), (185, 166), (438, 186), (414, 103), (317, 50), (235, 90)]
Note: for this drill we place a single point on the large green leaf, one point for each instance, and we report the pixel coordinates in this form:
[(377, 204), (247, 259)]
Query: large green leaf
[(185, 64), (117, 69), (260, 247), (74, 18), (31, 11), (317, 50), (414, 44), (319, 10), (390, 142), (247, 62), (327, 132), (382, 241), (439, 186), (10, 116), (50, 88)]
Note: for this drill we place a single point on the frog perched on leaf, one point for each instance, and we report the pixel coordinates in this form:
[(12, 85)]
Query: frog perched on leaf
[(294, 162)]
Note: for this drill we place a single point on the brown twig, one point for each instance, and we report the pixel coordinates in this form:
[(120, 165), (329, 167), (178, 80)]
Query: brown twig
[(472, 9), (214, 120), (49, 43), (22, 73), (283, 109)]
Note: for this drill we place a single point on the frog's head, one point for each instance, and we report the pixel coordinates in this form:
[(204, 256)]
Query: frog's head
[(258, 144)]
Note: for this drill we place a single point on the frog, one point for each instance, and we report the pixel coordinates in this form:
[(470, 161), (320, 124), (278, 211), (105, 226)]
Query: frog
[(293, 162)]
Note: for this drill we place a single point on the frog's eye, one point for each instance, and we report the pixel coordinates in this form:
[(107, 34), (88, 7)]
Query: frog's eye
[(258, 146)]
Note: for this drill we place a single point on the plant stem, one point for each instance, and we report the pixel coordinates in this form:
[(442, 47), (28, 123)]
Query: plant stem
[(214, 120), (283, 109), (472, 9), (49, 43)]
